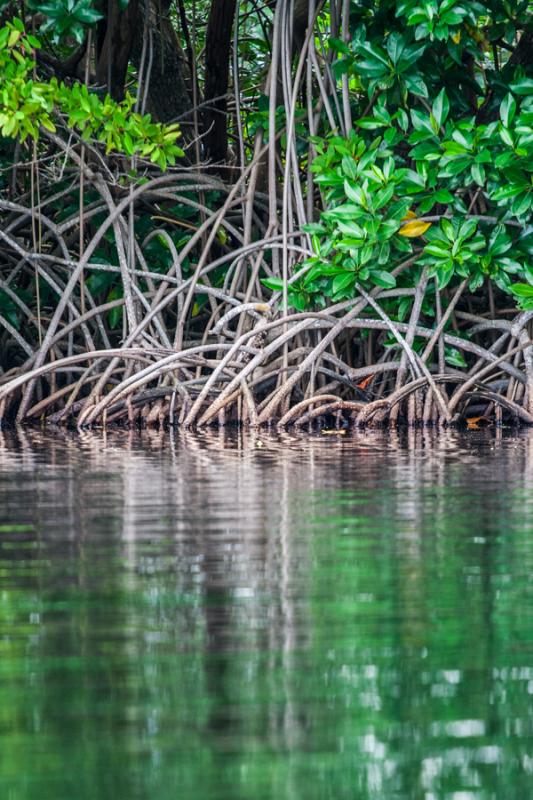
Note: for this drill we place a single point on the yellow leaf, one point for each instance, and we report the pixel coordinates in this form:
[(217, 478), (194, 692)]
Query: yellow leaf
[(456, 37), (415, 228), (410, 215)]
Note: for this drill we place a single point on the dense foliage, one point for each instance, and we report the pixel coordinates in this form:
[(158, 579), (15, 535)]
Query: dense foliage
[(435, 143), (29, 105)]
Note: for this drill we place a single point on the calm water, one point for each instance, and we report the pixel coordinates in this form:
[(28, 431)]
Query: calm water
[(220, 617)]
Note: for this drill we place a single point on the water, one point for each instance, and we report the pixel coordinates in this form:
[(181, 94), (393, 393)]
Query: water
[(221, 617)]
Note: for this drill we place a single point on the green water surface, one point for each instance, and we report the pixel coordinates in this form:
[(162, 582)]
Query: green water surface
[(244, 617)]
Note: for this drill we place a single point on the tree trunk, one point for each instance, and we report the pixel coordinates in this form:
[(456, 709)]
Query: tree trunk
[(217, 59), (523, 54), (164, 64), (299, 25), (114, 45)]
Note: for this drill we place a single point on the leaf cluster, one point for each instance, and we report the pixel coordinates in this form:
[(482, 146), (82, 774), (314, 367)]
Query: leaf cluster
[(28, 105), (438, 173)]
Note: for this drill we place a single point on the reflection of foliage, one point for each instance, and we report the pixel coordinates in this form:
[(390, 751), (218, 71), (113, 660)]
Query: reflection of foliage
[(167, 669), (399, 661)]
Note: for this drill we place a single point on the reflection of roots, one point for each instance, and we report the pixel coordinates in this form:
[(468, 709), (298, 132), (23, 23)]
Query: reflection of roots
[(288, 370)]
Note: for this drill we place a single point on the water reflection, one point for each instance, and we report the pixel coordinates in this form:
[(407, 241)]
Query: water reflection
[(250, 616)]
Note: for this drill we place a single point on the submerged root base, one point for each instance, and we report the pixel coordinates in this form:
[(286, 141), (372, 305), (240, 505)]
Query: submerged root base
[(191, 390)]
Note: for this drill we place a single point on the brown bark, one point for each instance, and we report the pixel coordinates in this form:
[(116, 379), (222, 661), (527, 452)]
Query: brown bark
[(523, 54), (217, 59), (67, 68), (165, 64), (299, 25), (114, 46)]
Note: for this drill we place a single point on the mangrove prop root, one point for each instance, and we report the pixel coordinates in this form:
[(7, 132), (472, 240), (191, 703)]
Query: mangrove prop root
[(196, 338)]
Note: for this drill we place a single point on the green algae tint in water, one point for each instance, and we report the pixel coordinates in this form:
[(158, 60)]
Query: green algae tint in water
[(218, 618)]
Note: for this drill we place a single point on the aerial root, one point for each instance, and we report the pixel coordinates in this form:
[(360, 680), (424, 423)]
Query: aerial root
[(254, 366), (219, 383)]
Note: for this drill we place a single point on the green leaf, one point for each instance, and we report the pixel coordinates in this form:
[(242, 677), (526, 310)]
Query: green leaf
[(478, 174), (416, 85), (88, 15), (522, 289), (339, 46), (298, 300), (403, 119), (370, 123), (522, 86), (375, 54), (395, 46), (114, 316), (476, 282), (382, 197), (352, 229), (342, 281), (421, 121), (381, 278), (314, 228), (441, 108), (409, 56), (443, 196), (454, 357), (349, 167), (522, 204), (33, 41), (507, 109), (506, 136), (355, 193), (276, 284)]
